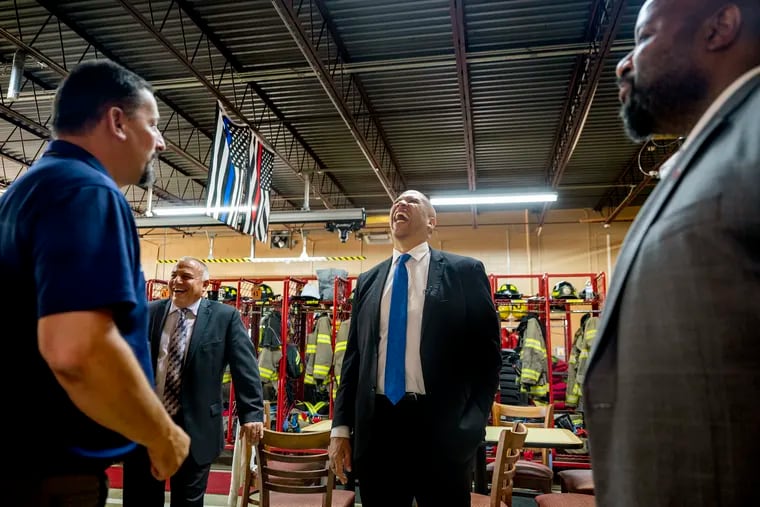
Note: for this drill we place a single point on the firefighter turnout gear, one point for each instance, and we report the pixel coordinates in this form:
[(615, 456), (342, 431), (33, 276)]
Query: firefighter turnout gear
[(582, 343)]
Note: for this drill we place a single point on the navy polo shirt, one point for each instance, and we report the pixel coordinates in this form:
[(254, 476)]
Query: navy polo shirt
[(68, 243)]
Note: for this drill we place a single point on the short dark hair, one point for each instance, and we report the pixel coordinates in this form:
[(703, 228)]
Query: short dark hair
[(89, 90)]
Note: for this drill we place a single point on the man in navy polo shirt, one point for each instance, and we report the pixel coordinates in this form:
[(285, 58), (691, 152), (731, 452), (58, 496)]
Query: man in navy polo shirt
[(68, 240)]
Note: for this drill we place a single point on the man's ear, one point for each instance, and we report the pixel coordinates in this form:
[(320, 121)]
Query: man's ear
[(115, 119), (432, 221), (723, 27)]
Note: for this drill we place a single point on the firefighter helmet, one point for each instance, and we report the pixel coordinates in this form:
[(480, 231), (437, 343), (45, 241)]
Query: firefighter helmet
[(508, 291), (267, 294), (516, 308), (309, 294), (564, 290), (227, 293)]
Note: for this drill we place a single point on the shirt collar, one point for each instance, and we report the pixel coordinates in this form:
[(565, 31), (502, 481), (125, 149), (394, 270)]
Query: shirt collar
[(417, 253), (711, 111), (193, 307), (67, 149)]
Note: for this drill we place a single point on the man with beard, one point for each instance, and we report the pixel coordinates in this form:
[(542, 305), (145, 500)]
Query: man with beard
[(420, 371), (75, 292), (670, 390)]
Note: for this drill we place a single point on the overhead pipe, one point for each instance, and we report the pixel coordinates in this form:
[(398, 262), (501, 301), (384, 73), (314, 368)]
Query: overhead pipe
[(17, 74)]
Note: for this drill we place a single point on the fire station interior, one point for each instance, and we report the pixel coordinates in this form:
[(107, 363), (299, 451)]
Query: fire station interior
[(359, 101)]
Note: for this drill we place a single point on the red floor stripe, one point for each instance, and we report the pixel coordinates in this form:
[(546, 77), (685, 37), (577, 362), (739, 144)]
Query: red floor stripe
[(218, 480)]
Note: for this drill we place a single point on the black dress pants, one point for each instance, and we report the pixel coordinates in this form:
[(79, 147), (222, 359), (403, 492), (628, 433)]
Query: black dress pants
[(64, 490), (141, 489), (403, 463)]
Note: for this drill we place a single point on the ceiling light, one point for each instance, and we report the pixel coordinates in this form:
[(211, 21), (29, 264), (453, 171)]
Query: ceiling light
[(379, 238), (185, 212), (467, 200)]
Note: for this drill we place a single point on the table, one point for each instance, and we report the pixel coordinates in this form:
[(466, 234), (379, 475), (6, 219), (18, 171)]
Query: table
[(537, 438), (323, 425)]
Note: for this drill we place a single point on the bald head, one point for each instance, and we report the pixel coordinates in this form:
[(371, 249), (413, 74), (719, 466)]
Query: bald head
[(412, 219), (687, 52)]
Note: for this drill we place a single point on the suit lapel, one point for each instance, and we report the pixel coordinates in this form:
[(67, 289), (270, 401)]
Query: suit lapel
[(657, 201), (158, 322), (199, 329), (433, 288), (375, 297)]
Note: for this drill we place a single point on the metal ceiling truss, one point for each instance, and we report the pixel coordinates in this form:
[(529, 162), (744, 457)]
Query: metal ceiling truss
[(42, 133), (183, 136), (313, 32), (189, 189), (456, 10), (603, 26), (289, 72), (213, 66)]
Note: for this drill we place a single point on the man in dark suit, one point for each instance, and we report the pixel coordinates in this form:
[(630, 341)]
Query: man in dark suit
[(192, 341), (420, 370), (670, 393)]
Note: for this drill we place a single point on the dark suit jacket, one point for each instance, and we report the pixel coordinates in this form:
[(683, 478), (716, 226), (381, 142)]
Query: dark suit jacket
[(671, 390), (459, 353), (219, 338)]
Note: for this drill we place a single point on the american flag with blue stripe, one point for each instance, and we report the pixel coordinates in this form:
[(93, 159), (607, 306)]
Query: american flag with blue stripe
[(239, 178)]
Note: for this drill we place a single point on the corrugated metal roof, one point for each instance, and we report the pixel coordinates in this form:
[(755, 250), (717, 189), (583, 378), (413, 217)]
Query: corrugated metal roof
[(521, 56)]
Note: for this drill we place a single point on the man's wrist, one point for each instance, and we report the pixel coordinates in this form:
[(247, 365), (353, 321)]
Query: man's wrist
[(340, 432)]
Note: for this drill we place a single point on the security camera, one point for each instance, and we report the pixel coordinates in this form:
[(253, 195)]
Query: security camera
[(344, 228)]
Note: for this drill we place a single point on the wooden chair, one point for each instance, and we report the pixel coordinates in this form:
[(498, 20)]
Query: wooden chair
[(529, 474), (507, 453), (292, 470), (577, 481)]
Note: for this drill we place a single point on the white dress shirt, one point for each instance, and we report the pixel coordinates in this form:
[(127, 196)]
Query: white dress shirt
[(417, 267), (163, 347)]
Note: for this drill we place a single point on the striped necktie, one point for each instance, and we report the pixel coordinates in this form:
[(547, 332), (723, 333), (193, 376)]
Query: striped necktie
[(176, 356)]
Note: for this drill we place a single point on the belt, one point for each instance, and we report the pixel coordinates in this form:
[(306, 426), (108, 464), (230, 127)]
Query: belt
[(408, 397)]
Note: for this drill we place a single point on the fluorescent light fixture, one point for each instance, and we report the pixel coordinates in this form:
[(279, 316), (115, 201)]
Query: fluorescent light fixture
[(186, 212), (378, 238), (467, 200)]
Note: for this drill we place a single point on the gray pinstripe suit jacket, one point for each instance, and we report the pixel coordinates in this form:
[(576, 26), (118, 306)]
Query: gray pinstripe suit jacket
[(672, 394)]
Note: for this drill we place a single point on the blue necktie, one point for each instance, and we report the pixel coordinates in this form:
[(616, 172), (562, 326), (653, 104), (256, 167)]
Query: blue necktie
[(395, 355)]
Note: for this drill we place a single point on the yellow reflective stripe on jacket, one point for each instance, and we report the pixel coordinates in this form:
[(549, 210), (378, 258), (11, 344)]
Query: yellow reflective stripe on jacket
[(539, 390), (266, 373), (308, 379), (531, 375), (321, 370), (324, 338), (533, 343), (340, 346)]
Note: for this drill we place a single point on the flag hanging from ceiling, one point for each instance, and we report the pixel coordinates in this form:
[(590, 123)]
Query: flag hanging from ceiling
[(257, 197), (239, 178)]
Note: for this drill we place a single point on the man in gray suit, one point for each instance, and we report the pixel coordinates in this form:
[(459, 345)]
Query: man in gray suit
[(192, 341), (671, 390)]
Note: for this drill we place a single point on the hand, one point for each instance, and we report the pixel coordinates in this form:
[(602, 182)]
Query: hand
[(168, 455), (340, 457), (252, 431)]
